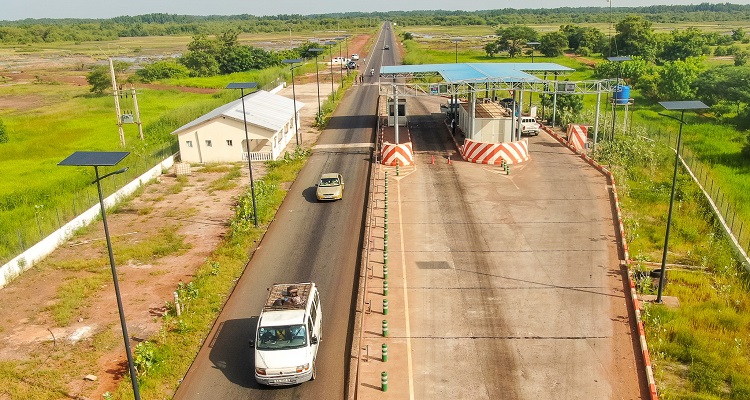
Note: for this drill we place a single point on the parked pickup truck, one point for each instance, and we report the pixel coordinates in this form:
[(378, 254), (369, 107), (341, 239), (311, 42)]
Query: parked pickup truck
[(288, 334), (529, 126)]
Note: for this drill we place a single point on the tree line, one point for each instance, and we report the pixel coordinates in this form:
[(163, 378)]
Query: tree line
[(159, 24), (205, 56)]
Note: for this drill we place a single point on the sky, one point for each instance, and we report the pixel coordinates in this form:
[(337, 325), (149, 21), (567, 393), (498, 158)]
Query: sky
[(11, 10)]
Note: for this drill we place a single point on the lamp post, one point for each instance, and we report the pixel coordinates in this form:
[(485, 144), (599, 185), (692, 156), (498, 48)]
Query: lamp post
[(330, 44), (317, 50), (294, 94), (618, 88), (346, 37), (341, 71), (98, 159), (242, 86), (533, 46), (456, 40), (674, 106)]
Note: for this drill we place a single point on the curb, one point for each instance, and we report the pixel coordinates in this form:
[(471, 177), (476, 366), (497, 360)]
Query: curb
[(621, 228)]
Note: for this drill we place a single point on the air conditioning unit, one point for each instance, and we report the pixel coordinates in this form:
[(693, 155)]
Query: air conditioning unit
[(566, 87)]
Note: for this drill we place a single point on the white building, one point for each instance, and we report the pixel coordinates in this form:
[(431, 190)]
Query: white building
[(219, 136)]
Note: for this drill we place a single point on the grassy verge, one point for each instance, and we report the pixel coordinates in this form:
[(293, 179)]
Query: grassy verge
[(164, 360), (699, 350)]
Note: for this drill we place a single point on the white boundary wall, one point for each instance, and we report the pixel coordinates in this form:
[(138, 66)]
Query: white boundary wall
[(46, 246)]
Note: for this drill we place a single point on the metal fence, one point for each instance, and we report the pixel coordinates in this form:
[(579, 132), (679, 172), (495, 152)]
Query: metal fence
[(19, 235), (732, 220)]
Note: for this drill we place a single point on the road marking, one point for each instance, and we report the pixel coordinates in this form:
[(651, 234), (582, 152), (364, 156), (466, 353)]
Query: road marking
[(406, 296), (343, 146)]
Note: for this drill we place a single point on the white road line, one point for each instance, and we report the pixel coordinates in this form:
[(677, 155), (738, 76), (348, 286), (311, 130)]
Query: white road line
[(342, 146), (406, 296)]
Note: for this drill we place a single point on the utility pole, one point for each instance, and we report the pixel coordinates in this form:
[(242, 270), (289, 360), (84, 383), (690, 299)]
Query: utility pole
[(116, 94), (137, 112)]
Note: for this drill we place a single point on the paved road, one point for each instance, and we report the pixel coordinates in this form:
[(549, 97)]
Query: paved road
[(500, 286), (308, 241)]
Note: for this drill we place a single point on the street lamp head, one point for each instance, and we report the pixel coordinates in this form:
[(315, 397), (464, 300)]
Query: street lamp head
[(316, 50), (532, 44), (683, 105), (292, 61), (242, 85), (456, 40), (94, 158)]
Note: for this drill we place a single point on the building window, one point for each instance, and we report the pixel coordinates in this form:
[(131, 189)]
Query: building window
[(189, 143), (229, 142), (208, 143)]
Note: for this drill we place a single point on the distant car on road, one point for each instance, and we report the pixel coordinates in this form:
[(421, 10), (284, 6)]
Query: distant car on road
[(355, 57), (386, 47), (351, 65), (330, 187)]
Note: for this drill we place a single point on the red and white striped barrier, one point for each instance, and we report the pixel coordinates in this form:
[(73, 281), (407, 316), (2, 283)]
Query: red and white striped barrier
[(494, 153), (397, 154), (577, 137)]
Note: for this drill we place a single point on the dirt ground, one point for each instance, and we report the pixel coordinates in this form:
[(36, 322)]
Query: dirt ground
[(27, 328)]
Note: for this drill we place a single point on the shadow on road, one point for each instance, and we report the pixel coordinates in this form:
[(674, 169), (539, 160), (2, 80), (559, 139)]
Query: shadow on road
[(231, 352)]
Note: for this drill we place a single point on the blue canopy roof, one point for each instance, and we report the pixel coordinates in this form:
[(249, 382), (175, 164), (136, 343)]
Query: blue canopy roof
[(478, 72)]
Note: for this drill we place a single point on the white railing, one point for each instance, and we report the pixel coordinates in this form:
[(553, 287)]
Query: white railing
[(258, 156)]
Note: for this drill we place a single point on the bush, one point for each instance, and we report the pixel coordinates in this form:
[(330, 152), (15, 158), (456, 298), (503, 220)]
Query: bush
[(583, 51), (162, 70), (3, 133)]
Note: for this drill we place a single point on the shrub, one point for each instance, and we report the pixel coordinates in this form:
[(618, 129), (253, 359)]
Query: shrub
[(3, 133), (162, 70)]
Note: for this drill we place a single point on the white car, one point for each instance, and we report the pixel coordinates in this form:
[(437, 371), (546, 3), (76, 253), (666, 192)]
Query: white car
[(355, 57)]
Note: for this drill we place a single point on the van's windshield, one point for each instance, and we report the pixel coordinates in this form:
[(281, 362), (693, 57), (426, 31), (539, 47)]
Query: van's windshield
[(281, 337)]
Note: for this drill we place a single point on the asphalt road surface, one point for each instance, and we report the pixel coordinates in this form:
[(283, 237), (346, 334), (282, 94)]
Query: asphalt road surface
[(308, 241)]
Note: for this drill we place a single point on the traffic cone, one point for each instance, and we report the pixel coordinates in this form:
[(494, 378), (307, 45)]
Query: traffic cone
[(449, 159), (433, 159)]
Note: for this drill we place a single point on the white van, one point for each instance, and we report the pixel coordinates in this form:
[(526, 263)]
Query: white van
[(288, 335)]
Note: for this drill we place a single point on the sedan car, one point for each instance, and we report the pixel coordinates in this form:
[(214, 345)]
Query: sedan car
[(386, 47), (330, 187)]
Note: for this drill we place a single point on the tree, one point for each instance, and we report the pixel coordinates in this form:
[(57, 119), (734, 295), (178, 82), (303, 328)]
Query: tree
[(99, 79), (3, 133), (407, 36), (580, 36), (513, 38), (200, 63), (724, 83), (738, 34), (491, 48), (741, 57), (678, 78), (553, 44), (681, 45), (635, 37), (569, 107)]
